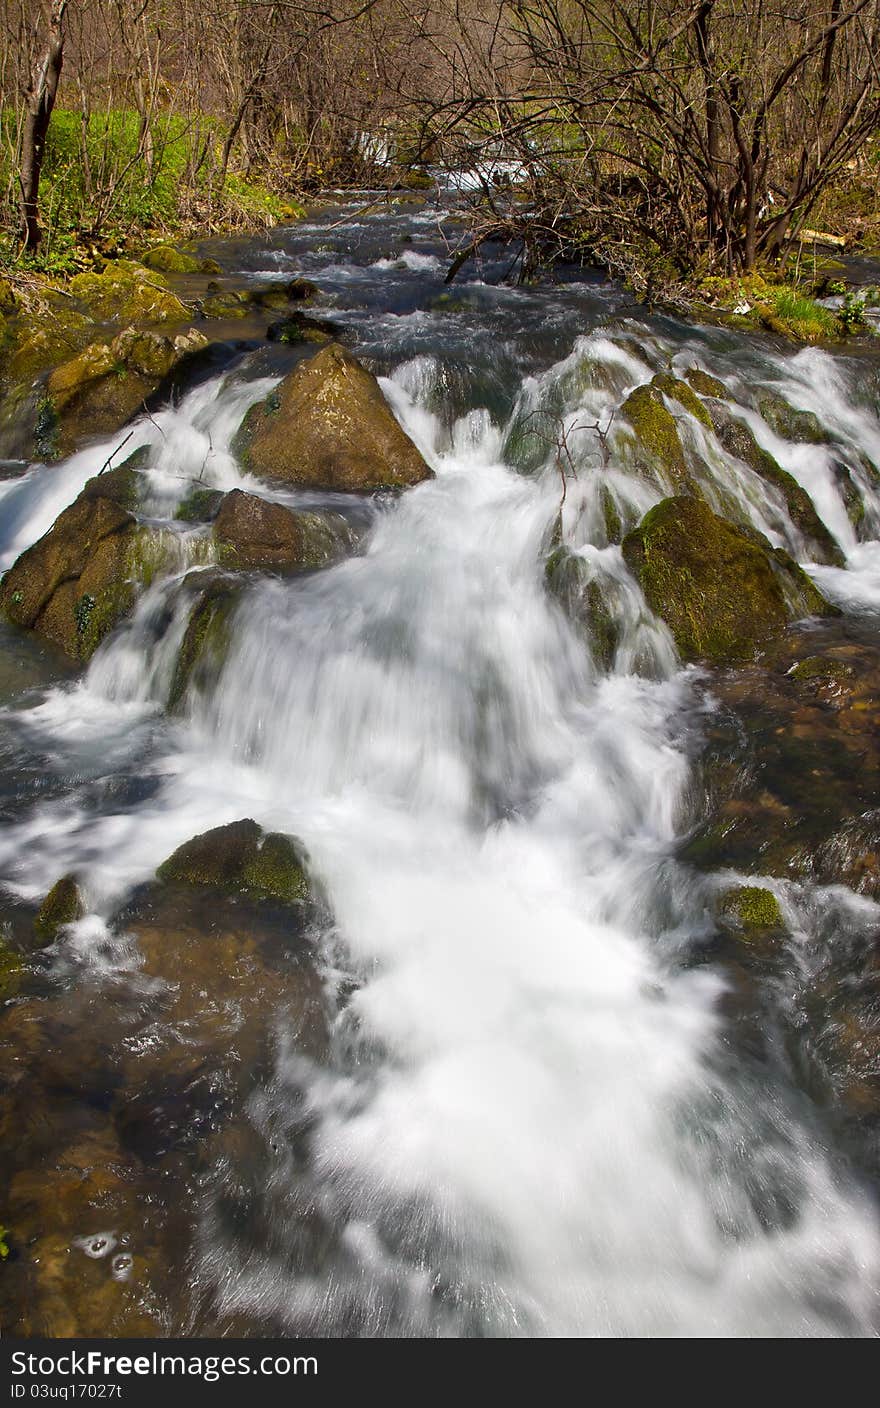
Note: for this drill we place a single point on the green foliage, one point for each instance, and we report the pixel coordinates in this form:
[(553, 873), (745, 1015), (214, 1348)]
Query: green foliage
[(103, 186)]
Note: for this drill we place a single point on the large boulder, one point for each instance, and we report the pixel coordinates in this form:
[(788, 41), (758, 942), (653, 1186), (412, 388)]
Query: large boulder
[(241, 858), (105, 385), (328, 426), (250, 532), (78, 581), (721, 589)]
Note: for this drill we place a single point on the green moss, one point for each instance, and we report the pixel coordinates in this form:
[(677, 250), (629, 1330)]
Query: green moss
[(657, 441), (63, 905), (720, 589), (738, 440), (706, 384), (199, 506), (241, 858), (276, 871), (126, 292), (755, 910), (679, 391), (819, 667), (206, 639), (611, 516), (169, 260)]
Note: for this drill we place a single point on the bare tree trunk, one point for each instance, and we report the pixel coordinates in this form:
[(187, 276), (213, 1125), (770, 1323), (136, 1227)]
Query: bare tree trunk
[(39, 102)]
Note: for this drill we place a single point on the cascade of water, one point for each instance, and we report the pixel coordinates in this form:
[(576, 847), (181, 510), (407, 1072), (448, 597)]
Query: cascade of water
[(528, 1126)]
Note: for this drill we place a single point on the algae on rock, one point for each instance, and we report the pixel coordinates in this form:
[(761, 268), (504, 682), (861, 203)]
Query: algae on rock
[(720, 589), (244, 859)]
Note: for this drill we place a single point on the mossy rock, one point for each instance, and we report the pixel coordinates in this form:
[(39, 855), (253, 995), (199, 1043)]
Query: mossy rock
[(328, 426), (611, 516), (206, 640), (251, 532), (801, 427), (241, 858), (200, 505), (705, 384), (299, 327), (657, 445), (753, 910), (225, 305), (76, 583), (278, 295), (722, 590), (681, 392), (127, 292), (821, 669), (738, 440), (104, 386), (36, 342), (63, 905), (168, 260), (572, 581)]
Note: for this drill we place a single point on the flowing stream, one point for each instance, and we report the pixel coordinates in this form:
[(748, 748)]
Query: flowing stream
[(530, 1112)]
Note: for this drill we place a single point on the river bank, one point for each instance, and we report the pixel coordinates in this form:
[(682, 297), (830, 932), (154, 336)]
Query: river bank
[(475, 934)]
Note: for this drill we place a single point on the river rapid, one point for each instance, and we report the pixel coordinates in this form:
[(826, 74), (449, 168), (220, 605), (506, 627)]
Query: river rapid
[(508, 1078)]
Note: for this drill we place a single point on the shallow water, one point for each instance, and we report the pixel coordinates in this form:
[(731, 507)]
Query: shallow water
[(506, 1082)]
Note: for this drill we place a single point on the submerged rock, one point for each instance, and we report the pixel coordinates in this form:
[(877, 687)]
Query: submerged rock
[(790, 768), (251, 532), (243, 858), (63, 905), (753, 910), (328, 426), (77, 582), (720, 589)]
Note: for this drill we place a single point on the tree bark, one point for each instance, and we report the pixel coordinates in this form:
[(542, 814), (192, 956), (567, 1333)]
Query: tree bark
[(39, 102)]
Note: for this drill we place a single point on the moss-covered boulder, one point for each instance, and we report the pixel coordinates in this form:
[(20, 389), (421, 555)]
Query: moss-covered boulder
[(241, 858), (168, 260), (77, 582), (328, 426), (677, 390), (127, 292), (205, 642), (654, 443), (739, 441), (200, 505), (63, 905), (105, 385), (720, 589), (250, 532), (706, 384)]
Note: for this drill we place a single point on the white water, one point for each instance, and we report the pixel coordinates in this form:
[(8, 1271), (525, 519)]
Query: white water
[(529, 1129)]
